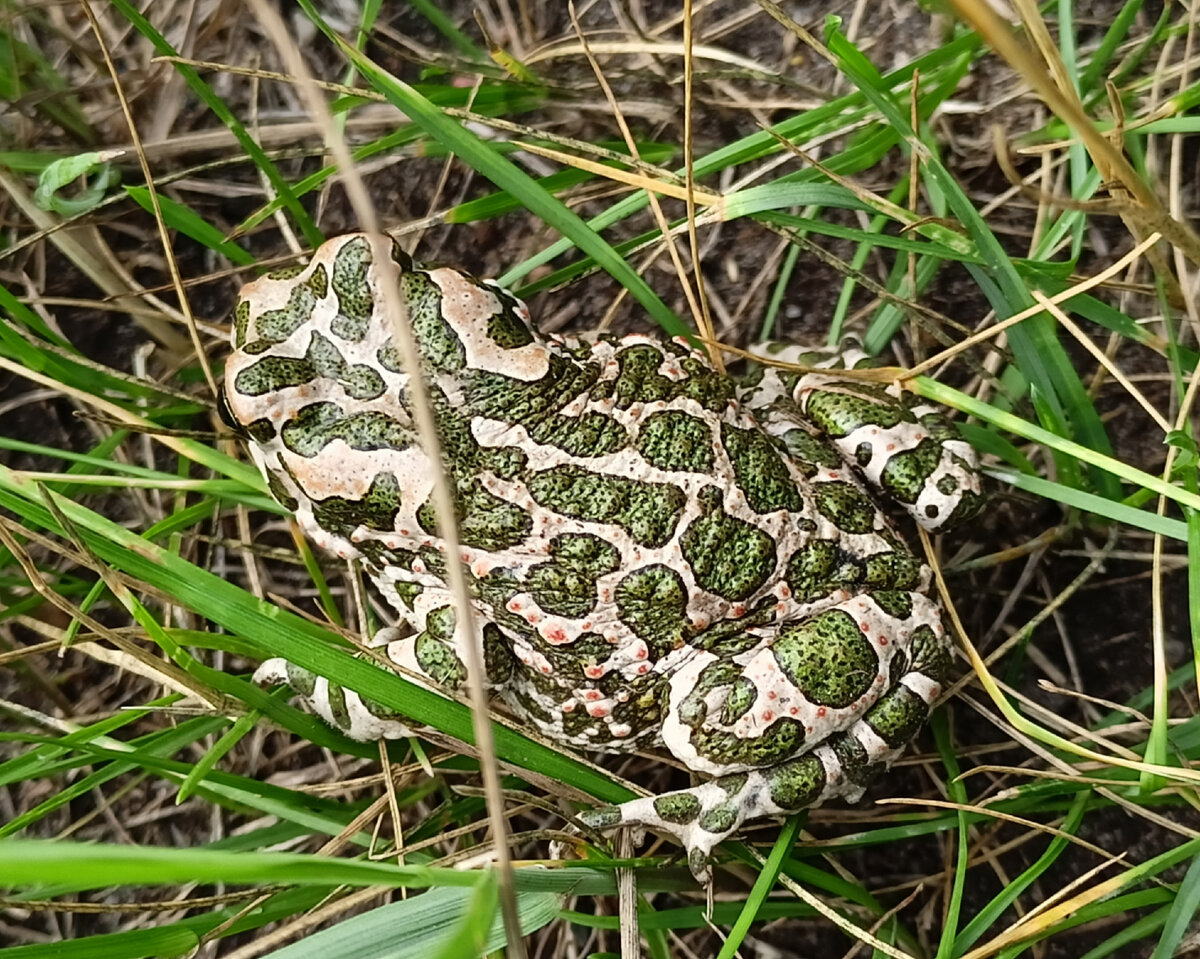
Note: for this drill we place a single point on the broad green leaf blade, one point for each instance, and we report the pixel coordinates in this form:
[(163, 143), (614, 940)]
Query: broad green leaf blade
[(33, 862), (427, 923)]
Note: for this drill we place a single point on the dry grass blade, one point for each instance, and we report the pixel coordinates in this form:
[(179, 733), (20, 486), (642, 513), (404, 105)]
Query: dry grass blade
[(698, 312), (705, 319), (1146, 212), (163, 236), (442, 496), (1075, 289), (1046, 914), (1021, 723)]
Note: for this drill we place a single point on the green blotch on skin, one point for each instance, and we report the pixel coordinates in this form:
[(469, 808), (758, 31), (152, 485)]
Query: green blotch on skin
[(301, 680), (318, 424), (241, 321), (511, 400), (589, 554), (570, 663), (845, 506), (587, 435), (720, 819), (728, 556), (406, 592), (485, 521), (339, 715), (939, 427), (906, 472), (380, 711), (566, 586), (322, 360), (742, 695), (856, 764), (280, 492), (896, 568), (376, 510), (693, 708), (818, 569), (730, 636), (287, 272), (506, 329), (947, 485), (673, 440), (602, 817), (894, 602), (638, 379), (760, 471), (827, 658), (649, 512), (780, 740), (652, 602), (796, 784), (350, 287), (255, 347), (706, 386), (275, 326), (507, 462), (439, 346), (966, 507), (898, 715), (461, 453), (360, 381), (376, 556), (272, 373), (319, 281), (839, 413), (498, 661), (434, 651), (678, 808), (810, 453), (930, 655)]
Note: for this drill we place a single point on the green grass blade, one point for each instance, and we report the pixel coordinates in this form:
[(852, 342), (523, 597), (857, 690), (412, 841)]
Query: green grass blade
[(486, 160), (764, 882), (186, 221), (100, 866), (132, 944), (1034, 342), (280, 633), (208, 96), (1182, 915)]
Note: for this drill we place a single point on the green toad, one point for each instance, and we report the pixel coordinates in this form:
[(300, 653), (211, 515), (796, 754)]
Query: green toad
[(661, 557)]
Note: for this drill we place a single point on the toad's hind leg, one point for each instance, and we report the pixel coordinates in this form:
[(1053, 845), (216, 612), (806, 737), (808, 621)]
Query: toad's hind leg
[(903, 446), (839, 768)]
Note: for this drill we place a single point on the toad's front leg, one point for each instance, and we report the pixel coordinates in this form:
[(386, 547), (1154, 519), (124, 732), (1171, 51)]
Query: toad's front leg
[(425, 646)]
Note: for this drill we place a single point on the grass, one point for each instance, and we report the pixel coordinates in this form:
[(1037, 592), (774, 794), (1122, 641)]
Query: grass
[(148, 808)]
